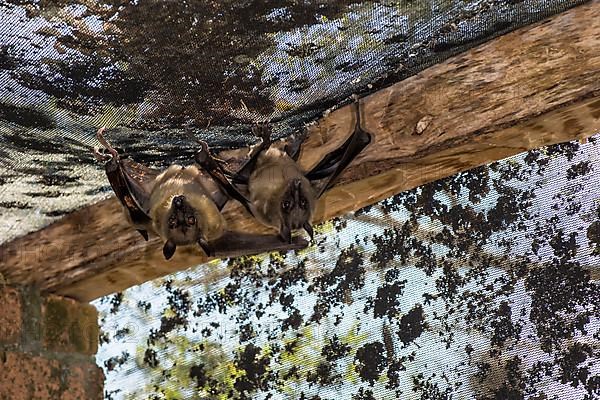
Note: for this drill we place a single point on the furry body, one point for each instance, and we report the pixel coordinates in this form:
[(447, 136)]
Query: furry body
[(277, 182), (197, 187)]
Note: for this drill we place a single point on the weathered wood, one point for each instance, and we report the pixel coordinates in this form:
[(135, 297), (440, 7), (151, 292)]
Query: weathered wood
[(536, 86)]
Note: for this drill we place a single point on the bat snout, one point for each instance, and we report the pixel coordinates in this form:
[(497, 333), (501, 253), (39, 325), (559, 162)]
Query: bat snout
[(178, 201)]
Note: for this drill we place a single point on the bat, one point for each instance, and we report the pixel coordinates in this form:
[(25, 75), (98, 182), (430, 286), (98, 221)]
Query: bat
[(181, 204), (277, 192)]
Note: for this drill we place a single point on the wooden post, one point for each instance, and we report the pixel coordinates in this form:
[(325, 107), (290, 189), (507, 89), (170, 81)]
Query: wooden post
[(536, 86)]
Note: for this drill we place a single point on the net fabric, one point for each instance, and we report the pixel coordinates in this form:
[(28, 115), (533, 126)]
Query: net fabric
[(157, 72), (483, 285)]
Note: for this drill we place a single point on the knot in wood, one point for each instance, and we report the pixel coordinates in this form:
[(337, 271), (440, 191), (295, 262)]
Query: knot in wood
[(423, 124)]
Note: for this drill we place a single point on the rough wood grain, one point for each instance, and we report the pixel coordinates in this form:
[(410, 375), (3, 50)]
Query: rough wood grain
[(536, 86)]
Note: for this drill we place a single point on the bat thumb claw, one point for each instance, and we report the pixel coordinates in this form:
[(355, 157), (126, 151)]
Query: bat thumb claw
[(99, 156), (206, 247), (104, 142), (309, 229), (201, 156), (144, 234)]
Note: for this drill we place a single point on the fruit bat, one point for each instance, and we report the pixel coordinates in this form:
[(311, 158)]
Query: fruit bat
[(181, 204), (274, 189)]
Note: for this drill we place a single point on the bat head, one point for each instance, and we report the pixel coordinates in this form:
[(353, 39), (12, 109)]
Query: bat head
[(182, 225), (296, 208)]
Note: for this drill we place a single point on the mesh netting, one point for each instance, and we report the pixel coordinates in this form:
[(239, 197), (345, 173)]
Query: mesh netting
[(155, 71), (480, 286)]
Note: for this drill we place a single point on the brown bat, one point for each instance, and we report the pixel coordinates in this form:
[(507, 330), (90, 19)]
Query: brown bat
[(272, 186), (181, 204)]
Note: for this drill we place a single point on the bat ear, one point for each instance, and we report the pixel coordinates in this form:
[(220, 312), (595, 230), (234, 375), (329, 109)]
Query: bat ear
[(285, 233), (309, 229), (169, 249), (205, 246)]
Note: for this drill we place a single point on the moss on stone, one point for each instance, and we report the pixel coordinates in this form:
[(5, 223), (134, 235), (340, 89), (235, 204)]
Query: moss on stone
[(70, 326), (56, 315)]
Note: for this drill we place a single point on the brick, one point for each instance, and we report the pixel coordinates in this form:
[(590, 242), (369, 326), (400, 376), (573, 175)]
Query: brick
[(10, 315), (76, 382), (84, 381), (26, 377), (48, 348), (69, 326)]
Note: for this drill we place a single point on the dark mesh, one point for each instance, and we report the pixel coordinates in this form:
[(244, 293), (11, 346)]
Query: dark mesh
[(158, 72), (483, 285)]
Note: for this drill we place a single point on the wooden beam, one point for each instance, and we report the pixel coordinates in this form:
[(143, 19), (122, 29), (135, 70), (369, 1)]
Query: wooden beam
[(536, 86)]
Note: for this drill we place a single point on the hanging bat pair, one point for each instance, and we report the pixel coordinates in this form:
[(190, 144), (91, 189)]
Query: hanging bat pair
[(183, 204)]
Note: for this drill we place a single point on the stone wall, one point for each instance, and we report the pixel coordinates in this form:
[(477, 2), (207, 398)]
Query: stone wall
[(47, 347)]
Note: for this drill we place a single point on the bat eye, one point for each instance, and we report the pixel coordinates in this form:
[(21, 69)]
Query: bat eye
[(303, 203), (286, 205), (191, 220), (172, 222)]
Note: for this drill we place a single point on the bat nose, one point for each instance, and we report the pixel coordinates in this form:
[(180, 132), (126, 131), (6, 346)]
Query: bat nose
[(178, 201)]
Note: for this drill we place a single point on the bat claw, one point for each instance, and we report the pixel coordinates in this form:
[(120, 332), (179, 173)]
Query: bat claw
[(104, 142), (99, 156), (309, 229), (206, 247), (293, 148), (144, 234), (263, 131), (202, 155), (206, 159)]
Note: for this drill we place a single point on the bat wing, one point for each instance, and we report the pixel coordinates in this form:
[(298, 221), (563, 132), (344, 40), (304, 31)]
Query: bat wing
[(140, 180), (213, 167), (132, 183), (335, 162), (219, 197), (119, 181), (234, 244), (293, 148), (263, 131)]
